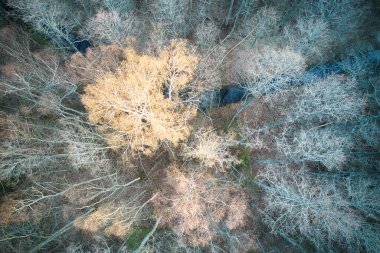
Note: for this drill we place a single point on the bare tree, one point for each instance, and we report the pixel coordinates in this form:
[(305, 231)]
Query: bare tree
[(333, 99), (208, 75), (157, 38), (38, 78), (85, 193), (362, 193), (194, 205), (316, 145), (211, 149), (202, 11), (206, 34), (84, 147), (172, 15), (266, 69), (263, 23), (346, 18), (317, 209), (28, 148), (56, 20), (319, 30), (367, 135), (115, 218), (310, 37), (35, 147), (113, 205), (108, 27)]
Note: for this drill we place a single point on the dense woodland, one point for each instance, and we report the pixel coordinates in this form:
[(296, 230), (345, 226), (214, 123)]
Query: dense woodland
[(189, 126)]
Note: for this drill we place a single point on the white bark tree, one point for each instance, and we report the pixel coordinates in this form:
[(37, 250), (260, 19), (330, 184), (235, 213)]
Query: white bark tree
[(346, 18), (319, 209), (56, 20), (267, 69), (316, 145), (28, 148), (263, 23), (172, 14), (85, 149), (211, 149), (333, 99), (38, 78), (109, 27), (206, 35), (309, 37)]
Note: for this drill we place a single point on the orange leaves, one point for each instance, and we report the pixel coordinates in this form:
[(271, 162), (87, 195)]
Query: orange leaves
[(131, 106)]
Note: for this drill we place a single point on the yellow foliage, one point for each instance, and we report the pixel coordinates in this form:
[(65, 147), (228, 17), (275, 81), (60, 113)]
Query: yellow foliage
[(140, 105)]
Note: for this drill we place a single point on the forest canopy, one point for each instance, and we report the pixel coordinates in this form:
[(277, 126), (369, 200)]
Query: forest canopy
[(189, 126)]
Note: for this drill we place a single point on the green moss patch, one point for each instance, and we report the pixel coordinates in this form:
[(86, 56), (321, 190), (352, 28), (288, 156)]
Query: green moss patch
[(134, 240)]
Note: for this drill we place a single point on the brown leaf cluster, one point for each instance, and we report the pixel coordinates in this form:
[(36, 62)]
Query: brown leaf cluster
[(194, 206), (10, 214), (139, 105), (112, 219)]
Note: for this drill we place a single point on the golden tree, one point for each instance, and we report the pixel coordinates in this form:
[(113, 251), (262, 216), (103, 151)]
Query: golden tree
[(140, 104)]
